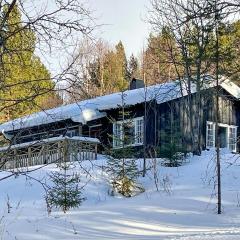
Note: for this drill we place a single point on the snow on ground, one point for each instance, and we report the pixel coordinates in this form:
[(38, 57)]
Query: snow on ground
[(185, 210)]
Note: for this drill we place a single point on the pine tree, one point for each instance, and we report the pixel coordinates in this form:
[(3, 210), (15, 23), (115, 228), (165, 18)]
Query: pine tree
[(122, 62), (158, 64), (25, 81), (133, 68), (121, 164), (229, 50), (114, 70), (124, 174), (65, 193)]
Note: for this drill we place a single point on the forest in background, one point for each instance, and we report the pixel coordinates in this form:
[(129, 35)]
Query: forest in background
[(97, 68), (100, 69), (26, 85)]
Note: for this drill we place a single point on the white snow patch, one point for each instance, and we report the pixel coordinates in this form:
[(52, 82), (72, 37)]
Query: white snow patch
[(187, 212), (49, 140)]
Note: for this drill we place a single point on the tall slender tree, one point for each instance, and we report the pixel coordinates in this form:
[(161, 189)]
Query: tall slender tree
[(159, 65), (133, 68), (25, 81), (122, 61)]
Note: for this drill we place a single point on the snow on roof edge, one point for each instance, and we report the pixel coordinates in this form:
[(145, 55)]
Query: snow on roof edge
[(48, 140), (92, 109)]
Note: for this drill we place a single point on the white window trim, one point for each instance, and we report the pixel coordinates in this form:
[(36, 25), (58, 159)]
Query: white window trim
[(135, 131), (121, 134), (213, 124), (72, 132), (228, 133), (121, 131)]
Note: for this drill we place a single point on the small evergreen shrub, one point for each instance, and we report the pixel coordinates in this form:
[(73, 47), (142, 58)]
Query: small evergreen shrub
[(173, 154), (123, 174), (65, 192), (121, 166), (172, 149)]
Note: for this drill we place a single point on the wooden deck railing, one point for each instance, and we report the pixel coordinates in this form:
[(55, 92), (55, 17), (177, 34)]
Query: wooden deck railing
[(48, 151)]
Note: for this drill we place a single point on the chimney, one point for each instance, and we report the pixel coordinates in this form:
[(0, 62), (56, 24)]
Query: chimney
[(136, 83)]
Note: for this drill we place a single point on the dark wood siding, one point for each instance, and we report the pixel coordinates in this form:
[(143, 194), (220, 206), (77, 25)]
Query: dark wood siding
[(160, 117), (54, 129)]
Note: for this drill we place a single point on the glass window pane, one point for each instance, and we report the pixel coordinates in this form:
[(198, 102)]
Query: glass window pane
[(117, 134), (232, 138), (210, 135), (139, 131)]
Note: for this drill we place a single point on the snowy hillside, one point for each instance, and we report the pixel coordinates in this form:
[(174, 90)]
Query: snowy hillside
[(184, 207)]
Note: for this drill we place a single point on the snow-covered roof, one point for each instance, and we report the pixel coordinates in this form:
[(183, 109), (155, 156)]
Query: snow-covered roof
[(81, 112), (92, 109), (49, 140)]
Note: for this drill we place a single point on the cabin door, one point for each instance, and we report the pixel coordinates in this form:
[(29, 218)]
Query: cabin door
[(223, 136), (226, 133)]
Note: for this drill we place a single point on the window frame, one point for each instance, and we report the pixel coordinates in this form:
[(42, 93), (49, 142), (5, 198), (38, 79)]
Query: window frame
[(136, 132), (117, 139), (207, 134), (234, 149), (72, 132)]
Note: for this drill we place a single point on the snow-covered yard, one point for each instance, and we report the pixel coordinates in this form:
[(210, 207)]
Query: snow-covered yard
[(186, 211)]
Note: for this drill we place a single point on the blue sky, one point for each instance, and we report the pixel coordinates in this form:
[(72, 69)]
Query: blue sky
[(124, 20)]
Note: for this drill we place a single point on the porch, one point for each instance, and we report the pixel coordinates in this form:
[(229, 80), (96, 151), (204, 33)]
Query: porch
[(46, 151)]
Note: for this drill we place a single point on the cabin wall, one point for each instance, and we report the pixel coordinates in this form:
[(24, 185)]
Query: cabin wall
[(44, 131), (177, 112), (130, 113), (99, 129), (168, 125), (164, 122), (229, 112), (171, 120)]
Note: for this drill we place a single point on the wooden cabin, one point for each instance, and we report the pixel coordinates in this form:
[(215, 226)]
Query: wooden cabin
[(154, 116)]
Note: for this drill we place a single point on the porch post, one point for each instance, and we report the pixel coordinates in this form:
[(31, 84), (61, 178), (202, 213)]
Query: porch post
[(29, 160), (96, 151), (66, 156), (15, 158), (59, 153)]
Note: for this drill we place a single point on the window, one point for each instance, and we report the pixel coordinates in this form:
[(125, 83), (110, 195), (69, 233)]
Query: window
[(130, 132), (232, 138), (227, 136), (210, 135), (72, 133), (117, 134), (139, 130)]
